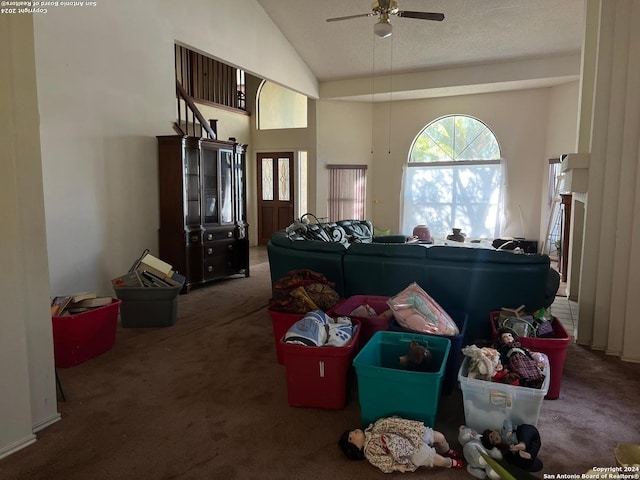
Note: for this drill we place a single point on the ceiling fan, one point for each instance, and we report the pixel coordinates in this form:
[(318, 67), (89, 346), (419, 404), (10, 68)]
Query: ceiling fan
[(384, 9)]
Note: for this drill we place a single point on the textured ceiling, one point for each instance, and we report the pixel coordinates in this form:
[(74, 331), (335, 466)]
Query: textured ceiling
[(473, 32)]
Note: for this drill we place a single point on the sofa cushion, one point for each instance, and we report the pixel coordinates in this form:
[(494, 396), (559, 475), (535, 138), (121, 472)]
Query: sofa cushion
[(337, 233), (360, 231)]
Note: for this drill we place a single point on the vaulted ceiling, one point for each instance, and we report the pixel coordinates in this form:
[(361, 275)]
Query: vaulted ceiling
[(473, 32)]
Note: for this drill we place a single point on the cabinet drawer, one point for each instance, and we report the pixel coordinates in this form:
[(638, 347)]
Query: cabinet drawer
[(219, 248), (218, 266), (213, 235)]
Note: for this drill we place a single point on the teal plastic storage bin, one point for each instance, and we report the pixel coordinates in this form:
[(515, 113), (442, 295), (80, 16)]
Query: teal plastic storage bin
[(385, 388), (450, 380)]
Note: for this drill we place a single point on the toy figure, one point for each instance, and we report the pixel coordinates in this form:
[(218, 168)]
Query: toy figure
[(418, 359), (507, 434), (395, 444), (518, 358), (484, 361), (523, 454), (503, 375), (472, 450)]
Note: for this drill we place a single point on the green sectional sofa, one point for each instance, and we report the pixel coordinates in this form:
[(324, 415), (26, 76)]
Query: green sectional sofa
[(472, 280)]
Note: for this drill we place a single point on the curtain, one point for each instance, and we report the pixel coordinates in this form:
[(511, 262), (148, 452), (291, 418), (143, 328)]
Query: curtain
[(347, 191)]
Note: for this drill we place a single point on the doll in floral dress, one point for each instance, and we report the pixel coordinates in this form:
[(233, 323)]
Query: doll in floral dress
[(395, 444)]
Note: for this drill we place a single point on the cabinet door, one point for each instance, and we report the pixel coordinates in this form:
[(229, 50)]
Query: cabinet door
[(226, 187), (210, 203), (192, 186)]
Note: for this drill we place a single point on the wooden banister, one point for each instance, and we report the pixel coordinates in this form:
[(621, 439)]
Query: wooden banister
[(204, 125)]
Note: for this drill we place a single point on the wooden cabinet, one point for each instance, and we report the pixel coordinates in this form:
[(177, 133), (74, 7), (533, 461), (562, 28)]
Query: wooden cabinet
[(203, 230)]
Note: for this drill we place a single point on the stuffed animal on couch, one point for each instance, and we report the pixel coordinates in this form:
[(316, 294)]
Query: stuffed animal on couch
[(472, 448)]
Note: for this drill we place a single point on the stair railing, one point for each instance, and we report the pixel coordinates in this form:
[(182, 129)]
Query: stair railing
[(197, 126)]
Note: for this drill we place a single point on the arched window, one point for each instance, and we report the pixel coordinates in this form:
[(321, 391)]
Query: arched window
[(454, 179), (279, 107)]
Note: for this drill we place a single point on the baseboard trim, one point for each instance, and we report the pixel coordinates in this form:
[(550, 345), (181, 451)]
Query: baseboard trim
[(630, 359), (45, 423), (16, 446)]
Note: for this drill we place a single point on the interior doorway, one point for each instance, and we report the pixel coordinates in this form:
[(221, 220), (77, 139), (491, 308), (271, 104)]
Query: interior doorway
[(276, 205)]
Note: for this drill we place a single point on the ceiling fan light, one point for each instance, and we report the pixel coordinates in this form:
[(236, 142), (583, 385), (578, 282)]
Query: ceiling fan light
[(383, 29)]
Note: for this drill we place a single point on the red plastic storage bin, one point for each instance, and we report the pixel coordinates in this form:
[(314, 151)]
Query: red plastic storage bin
[(318, 376), (555, 348), (369, 325), (78, 338), (281, 322)]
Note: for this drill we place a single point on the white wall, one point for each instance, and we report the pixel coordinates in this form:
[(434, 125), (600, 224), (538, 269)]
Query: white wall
[(28, 398), (106, 87), (528, 124), (562, 127), (344, 137), (230, 124), (239, 33)]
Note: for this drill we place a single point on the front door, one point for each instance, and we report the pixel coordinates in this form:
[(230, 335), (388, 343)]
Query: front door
[(275, 193)]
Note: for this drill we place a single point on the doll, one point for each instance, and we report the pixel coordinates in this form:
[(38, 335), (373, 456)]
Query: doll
[(524, 453), (518, 359), (395, 444), (503, 375), (484, 362)]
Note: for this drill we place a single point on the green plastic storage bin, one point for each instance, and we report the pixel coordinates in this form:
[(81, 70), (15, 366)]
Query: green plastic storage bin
[(148, 307), (385, 388)]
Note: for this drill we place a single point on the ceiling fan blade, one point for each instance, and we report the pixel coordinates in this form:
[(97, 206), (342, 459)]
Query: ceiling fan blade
[(438, 17), (348, 17)]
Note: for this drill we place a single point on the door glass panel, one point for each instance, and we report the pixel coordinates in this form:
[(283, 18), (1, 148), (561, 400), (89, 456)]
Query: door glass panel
[(226, 215), (283, 179), (267, 179)]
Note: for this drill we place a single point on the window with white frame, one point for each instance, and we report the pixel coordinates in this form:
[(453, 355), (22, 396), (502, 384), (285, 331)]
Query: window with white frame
[(454, 179), (347, 188)]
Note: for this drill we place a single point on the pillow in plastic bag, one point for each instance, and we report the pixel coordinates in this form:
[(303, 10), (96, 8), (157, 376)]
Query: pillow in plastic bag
[(415, 310)]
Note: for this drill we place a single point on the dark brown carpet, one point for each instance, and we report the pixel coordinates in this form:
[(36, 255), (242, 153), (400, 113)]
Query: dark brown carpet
[(206, 399)]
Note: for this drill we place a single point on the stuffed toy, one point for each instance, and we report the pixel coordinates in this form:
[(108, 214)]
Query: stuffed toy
[(472, 448), (484, 362), (418, 359)]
